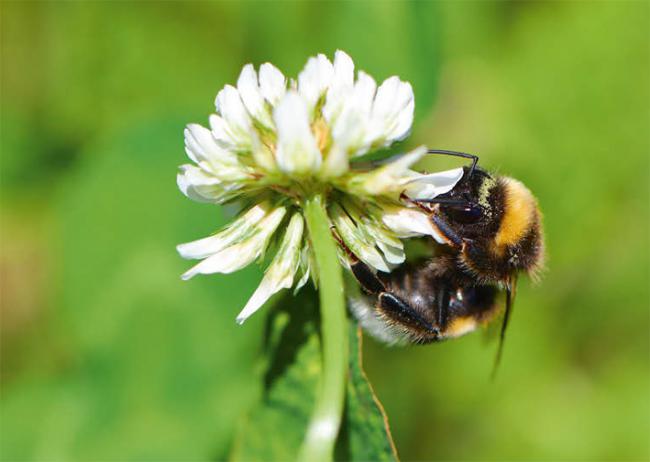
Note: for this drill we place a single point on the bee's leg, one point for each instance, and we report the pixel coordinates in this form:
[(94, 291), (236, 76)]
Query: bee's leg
[(368, 279), (446, 230), (418, 203), (393, 308), (388, 304), (464, 155), (397, 310), (438, 221)]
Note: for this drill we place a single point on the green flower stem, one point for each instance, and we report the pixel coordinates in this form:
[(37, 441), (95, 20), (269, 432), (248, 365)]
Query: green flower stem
[(325, 421)]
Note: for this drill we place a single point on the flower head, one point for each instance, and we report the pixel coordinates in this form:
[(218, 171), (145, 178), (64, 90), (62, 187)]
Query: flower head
[(274, 143)]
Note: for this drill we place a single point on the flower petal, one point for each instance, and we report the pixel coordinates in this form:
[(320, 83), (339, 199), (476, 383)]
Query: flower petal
[(393, 255), (391, 247), (297, 151), (348, 132), (355, 239), (365, 89), (199, 185), (239, 255), (405, 222), (349, 129), (433, 184), (216, 161), (263, 155), (235, 124), (314, 80), (374, 230), (341, 86), (305, 266), (343, 70), (251, 95), (403, 122), (219, 129), (273, 85), (388, 178), (281, 271), (242, 228), (200, 146), (227, 173), (336, 163), (392, 112)]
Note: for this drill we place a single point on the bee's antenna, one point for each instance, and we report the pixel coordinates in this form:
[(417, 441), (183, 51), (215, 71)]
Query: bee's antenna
[(444, 201), (511, 291), (465, 155)]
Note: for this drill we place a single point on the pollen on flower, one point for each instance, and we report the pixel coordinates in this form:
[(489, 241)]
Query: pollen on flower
[(322, 134), (274, 142)]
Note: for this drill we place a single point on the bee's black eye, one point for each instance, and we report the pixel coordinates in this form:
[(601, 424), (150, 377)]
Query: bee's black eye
[(465, 214)]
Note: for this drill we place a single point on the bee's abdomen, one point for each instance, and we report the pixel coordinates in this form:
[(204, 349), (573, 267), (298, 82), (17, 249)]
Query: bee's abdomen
[(450, 304), (418, 288)]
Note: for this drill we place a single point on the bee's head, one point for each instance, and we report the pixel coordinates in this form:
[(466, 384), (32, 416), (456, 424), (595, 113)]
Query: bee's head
[(495, 221)]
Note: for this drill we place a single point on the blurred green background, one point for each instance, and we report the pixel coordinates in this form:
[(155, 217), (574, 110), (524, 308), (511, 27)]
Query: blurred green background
[(107, 355)]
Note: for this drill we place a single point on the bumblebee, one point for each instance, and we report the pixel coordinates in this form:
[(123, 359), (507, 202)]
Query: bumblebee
[(491, 226)]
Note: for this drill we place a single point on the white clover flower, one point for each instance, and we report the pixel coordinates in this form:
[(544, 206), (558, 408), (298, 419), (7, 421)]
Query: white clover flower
[(273, 143)]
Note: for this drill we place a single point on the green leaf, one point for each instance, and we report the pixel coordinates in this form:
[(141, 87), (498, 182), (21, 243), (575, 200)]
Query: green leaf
[(275, 428), (365, 434)]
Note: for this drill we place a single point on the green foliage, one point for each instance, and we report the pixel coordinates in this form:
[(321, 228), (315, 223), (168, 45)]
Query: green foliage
[(107, 355), (365, 434), (291, 376), (129, 365)]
